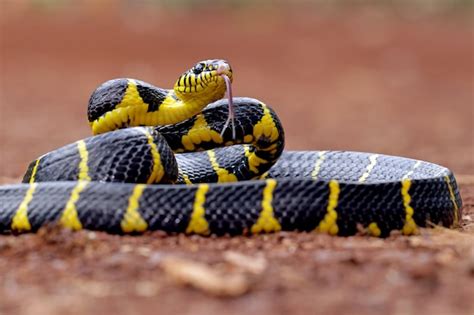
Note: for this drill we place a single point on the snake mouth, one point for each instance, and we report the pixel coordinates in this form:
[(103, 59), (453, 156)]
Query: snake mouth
[(223, 68)]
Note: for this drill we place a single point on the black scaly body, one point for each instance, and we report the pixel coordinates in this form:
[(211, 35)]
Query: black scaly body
[(109, 182)]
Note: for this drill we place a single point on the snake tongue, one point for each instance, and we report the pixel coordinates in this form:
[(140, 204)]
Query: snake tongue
[(231, 115)]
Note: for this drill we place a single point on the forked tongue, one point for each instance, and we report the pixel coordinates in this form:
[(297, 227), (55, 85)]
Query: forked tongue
[(230, 117)]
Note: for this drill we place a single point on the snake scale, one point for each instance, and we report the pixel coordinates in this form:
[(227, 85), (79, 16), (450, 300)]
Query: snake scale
[(229, 176)]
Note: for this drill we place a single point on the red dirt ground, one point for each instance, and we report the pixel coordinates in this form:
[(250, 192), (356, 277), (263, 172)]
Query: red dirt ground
[(395, 82)]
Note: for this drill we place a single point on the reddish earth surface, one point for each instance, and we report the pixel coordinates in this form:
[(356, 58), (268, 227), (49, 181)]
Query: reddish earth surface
[(395, 82)]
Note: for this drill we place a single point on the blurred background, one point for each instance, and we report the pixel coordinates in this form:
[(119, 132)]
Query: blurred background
[(393, 77), (388, 76)]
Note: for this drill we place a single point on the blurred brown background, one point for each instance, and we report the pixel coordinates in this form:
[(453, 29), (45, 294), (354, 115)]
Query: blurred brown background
[(393, 77), (385, 76)]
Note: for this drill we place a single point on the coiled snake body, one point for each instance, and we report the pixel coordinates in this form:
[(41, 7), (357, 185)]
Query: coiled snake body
[(232, 175)]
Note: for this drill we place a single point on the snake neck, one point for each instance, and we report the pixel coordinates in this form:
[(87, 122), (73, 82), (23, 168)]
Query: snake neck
[(186, 102), (142, 104), (173, 109)]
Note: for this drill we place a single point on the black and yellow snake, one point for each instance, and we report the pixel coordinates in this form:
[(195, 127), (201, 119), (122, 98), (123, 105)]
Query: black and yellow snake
[(240, 181)]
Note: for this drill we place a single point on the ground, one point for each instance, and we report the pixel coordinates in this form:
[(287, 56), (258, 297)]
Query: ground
[(366, 79)]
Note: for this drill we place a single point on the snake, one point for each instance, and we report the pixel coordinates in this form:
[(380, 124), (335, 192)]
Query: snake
[(190, 160)]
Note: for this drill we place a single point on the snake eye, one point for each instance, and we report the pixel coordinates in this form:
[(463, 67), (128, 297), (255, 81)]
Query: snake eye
[(198, 68)]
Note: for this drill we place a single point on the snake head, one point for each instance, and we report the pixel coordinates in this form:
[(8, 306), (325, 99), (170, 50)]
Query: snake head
[(204, 81)]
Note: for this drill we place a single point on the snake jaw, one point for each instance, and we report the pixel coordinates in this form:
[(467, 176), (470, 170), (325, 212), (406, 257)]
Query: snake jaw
[(231, 115)]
